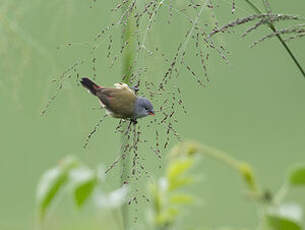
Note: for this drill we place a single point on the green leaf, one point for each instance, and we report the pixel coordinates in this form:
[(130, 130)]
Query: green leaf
[(248, 175), (275, 222), (85, 181), (179, 167), (113, 199), (83, 191), (297, 176), (291, 211), (167, 216), (184, 149), (181, 199), (52, 182), (179, 182), (175, 171)]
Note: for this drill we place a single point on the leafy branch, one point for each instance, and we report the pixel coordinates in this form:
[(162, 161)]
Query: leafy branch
[(168, 194)]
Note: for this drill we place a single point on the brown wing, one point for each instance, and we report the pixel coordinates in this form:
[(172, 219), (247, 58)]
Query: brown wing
[(118, 101)]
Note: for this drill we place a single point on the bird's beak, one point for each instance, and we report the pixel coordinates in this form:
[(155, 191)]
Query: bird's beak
[(151, 113)]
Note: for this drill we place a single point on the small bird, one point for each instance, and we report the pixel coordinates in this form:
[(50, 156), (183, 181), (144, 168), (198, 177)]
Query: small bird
[(120, 102)]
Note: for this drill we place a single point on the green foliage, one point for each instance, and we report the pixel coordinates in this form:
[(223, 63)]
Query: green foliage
[(189, 148), (176, 170), (112, 200), (181, 199), (85, 182), (281, 223), (81, 180), (52, 182), (276, 216), (83, 191), (168, 197), (248, 176), (283, 217), (297, 176)]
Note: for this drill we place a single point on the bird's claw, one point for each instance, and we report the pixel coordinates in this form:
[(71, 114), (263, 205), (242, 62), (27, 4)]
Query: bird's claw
[(135, 88), (134, 121)]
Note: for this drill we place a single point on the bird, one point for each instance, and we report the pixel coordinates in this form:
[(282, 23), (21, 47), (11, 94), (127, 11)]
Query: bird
[(121, 101)]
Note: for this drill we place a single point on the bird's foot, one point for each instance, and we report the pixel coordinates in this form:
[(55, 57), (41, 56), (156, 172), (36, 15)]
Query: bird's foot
[(134, 121), (135, 88)]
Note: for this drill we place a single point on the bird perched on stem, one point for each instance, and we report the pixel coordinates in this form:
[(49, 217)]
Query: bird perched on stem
[(120, 102)]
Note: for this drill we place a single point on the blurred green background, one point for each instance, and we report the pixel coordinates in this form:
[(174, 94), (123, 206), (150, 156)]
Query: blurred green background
[(253, 108)]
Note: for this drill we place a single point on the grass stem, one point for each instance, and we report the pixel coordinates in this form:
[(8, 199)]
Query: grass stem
[(127, 68), (272, 27)]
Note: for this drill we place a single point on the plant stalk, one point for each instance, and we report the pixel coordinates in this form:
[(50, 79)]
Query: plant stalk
[(272, 27), (127, 69), (243, 168)]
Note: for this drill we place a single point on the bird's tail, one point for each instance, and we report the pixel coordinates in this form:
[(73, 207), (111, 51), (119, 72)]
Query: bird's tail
[(90, 85)]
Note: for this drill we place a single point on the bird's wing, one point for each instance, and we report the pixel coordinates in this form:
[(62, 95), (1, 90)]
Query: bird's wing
[(121, 85), (119, 101)]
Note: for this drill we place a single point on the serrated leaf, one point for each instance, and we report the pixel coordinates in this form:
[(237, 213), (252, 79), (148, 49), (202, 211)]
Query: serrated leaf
[(297, 176), (52, 182), (275, 222)]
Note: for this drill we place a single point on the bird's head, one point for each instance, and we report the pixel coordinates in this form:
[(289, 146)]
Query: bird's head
[(143, 108)]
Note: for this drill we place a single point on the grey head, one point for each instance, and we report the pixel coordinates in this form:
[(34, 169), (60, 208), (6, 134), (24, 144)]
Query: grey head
[(143, 108)]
